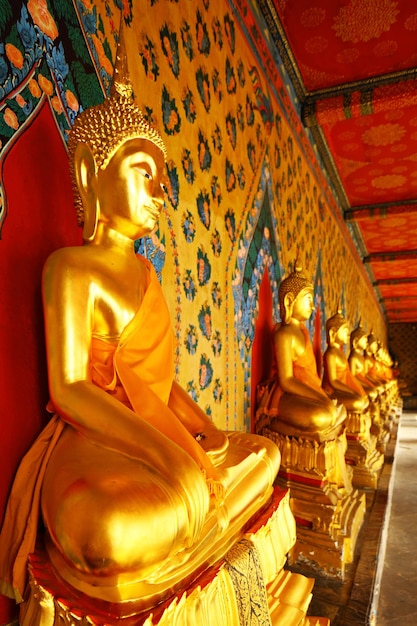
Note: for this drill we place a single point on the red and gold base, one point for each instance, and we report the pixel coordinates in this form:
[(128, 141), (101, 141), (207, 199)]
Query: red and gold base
[(328, 511), (252, 572), (362, 453)]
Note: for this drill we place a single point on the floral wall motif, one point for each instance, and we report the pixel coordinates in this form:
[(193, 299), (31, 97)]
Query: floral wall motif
[(245, 191)]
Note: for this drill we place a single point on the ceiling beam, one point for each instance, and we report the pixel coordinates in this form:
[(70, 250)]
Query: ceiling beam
[(395, 281), (363, 85), (394, 255), (398, 298), (384, 208), (401, 310)]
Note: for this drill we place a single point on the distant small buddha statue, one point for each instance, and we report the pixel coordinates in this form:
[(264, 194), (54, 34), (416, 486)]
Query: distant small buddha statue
[(373, 372), (357, 360), (383, 363), (338, 380), (296, 403), (136, 486)]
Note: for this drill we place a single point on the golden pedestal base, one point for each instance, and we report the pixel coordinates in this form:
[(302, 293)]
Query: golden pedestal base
[(385, 412), (362, 453), (328, 511), (249, 585), (380, 425)]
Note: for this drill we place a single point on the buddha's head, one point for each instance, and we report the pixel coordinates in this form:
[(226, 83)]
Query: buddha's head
[(358, 338), (295, 286), (103, 129), (337, 328)]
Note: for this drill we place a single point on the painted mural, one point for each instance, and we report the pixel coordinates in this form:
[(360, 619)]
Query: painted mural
[(246, 192)]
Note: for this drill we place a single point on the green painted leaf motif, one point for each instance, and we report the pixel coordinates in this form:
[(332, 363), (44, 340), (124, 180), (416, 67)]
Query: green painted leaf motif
[(5, 13), (79, 49), (88, 86), (64, 10)]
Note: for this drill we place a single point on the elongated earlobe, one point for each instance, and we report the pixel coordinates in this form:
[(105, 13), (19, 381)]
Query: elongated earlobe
[(288, 305), (86, 175)]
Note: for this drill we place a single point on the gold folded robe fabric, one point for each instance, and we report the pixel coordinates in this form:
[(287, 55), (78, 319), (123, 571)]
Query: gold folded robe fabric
[(344, 374), (138, 369), (270, 392)]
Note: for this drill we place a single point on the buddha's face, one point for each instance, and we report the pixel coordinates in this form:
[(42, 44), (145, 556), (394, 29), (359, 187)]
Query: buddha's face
[(362, 342), (303, 305), (130, 188), (342, 334)]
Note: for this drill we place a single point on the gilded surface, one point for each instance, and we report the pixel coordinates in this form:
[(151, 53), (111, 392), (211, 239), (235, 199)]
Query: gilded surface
[(294, 402), (139, 488), (249, 586)]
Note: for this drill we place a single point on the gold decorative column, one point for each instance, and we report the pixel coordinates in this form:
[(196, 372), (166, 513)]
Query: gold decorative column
[(362, 453), (329, 513)]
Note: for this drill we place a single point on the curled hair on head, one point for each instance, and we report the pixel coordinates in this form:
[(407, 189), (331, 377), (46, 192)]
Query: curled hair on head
[(372, 339)]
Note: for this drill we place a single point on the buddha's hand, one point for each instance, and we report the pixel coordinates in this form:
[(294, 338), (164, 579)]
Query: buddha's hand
[(214, 442)]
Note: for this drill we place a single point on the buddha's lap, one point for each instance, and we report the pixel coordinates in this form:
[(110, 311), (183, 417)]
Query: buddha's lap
[(305, 413), (99, 505), (354, 403), (103, 507)]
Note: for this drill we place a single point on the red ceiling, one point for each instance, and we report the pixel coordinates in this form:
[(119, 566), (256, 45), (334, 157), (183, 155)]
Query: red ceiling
[(354, 67), (337, 42), (384, 231)]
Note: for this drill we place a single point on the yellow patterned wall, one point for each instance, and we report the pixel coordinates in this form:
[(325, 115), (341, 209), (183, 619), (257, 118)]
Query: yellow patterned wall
[(232, 136)]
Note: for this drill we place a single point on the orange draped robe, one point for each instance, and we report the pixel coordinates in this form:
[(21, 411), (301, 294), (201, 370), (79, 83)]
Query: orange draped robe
[(270, 393), (138, 369), (344, 374)]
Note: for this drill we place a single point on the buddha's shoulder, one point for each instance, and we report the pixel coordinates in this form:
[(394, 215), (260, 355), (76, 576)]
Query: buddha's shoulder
[(75, 259), (287, 330)]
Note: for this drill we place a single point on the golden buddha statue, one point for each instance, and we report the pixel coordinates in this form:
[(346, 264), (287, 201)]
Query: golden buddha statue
[(338, 380), (361, 363), (362, 453), (296, 404), (371, 362), (295, 412), (137, 488), (357, 360)]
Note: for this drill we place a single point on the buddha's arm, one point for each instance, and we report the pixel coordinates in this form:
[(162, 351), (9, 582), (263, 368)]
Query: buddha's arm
[(355, 365), (286, 345), (369, 364), (332, 360), (197, 422), (68, 307)]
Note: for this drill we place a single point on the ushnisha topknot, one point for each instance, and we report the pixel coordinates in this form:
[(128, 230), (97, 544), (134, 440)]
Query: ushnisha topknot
[(108, 125), (295, 282)]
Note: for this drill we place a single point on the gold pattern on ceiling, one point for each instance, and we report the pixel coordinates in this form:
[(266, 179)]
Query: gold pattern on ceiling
[(362, 20)]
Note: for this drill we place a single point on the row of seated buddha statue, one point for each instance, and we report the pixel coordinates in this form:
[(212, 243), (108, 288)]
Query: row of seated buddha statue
[(331, 447), (132, 507), (373, 367), (366, 434)]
